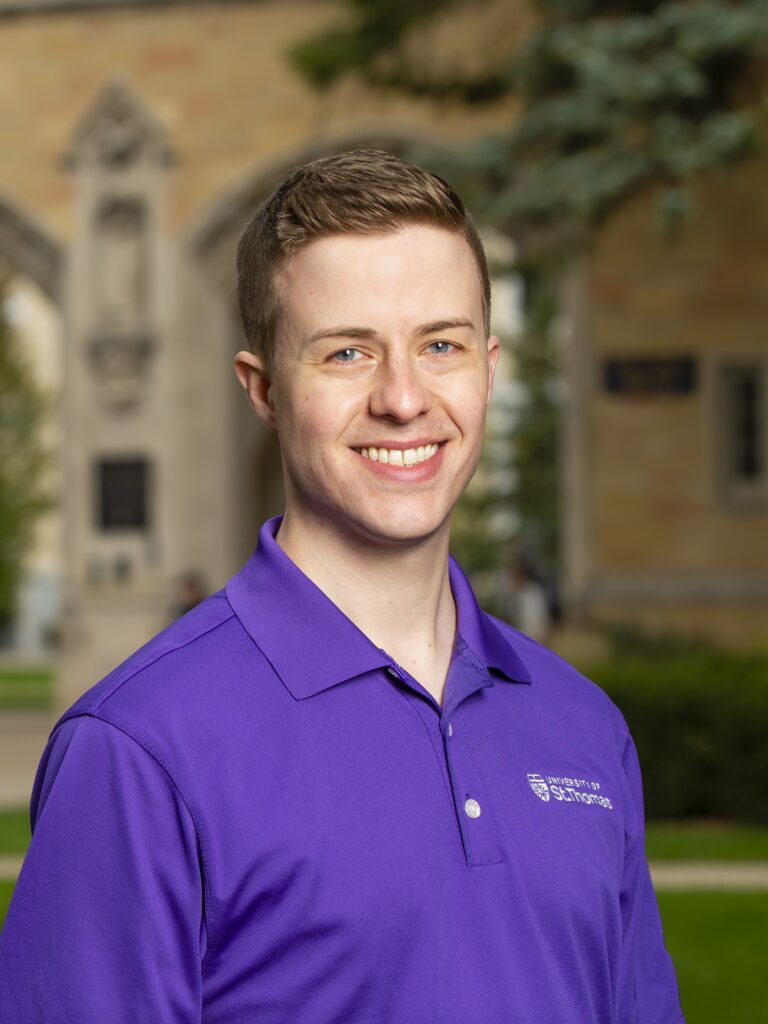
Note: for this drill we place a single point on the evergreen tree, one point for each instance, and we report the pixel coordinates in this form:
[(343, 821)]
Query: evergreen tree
[(23, 461)]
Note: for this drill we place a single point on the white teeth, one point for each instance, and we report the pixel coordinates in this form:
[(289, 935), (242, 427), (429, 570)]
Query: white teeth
[(400, 457)]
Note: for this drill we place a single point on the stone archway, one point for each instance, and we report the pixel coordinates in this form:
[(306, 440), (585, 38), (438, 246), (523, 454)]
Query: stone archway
[(31, 250)]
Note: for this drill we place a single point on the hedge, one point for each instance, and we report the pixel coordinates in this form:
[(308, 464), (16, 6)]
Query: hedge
[(699, 717)]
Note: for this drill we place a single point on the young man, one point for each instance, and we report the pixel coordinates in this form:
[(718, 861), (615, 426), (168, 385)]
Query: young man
[(337, 792)]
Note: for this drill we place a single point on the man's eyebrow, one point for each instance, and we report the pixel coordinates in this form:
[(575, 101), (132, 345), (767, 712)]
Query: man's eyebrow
[(368, 332), (341, 332), (445, 325)]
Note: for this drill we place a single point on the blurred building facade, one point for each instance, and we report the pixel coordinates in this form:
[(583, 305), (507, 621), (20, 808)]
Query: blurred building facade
[(666, 436), (136, 139)]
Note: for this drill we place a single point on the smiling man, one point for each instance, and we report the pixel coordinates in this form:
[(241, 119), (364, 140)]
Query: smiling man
[(337, 792)]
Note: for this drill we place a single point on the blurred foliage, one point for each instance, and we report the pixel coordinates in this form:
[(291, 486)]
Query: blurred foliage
[(699, 717), (607, 99), (23, 461), (610, 97), (535, 451)]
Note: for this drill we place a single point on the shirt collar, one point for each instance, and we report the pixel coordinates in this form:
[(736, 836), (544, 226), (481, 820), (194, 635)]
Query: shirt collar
[(312, 645)]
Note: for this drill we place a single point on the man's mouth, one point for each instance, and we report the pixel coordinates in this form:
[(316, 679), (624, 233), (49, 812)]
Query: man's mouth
[(400, 456)]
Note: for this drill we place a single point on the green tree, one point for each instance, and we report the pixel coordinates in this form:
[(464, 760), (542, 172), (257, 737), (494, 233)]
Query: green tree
[(611, 98), (23, 460)]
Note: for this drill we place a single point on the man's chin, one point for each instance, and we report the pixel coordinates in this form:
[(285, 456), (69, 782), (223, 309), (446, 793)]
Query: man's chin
[(397, 531)]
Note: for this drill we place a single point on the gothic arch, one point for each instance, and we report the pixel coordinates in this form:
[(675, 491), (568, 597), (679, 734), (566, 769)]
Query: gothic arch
[(212, 236), (31, 249)]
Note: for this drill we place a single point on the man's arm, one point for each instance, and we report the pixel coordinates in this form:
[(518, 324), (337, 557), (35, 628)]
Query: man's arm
[(647, 992), (105, 923)]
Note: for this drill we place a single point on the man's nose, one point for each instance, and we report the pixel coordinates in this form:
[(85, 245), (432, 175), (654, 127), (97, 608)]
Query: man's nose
[(400, 391)]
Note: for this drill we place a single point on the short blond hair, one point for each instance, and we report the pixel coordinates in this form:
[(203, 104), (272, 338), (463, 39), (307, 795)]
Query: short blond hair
[(362, 191)]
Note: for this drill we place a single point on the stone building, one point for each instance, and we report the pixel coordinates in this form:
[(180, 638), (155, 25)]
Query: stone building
[(136, 138)]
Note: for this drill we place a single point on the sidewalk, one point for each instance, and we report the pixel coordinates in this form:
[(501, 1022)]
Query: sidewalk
[(23, 735), (724, 875)]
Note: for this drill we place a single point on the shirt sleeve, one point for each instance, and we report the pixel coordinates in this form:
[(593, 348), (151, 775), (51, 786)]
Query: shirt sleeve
[(647, 991), (106, 921)]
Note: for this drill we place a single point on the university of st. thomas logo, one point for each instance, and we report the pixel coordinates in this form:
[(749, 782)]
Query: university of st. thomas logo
[(568, 790), (539, 786)]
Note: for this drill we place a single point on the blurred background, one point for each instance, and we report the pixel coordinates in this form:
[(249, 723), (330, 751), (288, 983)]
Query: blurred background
[(613, 157)]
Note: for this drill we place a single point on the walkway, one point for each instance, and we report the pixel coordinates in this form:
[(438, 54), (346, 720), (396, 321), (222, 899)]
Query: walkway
[(698, 875), (23, 735)]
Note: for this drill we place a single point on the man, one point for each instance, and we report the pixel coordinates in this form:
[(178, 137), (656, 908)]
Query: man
[(337, 792)]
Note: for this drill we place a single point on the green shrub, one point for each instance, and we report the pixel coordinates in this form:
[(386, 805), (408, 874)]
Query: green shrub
[(699, 717)]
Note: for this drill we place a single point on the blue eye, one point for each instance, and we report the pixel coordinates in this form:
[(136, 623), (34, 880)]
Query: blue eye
[(442, 346), (346, 355)]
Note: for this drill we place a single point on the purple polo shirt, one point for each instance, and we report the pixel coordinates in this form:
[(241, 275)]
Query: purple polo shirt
[(261, 817)]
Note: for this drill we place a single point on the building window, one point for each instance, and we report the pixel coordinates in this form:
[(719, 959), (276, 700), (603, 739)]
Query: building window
[(122, 494), (744, 430)]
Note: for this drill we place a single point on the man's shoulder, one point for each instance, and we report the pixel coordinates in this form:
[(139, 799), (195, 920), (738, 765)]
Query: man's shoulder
[(555, 679), (184, 673)]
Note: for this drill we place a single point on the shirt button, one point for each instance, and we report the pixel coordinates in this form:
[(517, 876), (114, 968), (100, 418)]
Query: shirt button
[(450, 729), (393, 672), (472, 809)]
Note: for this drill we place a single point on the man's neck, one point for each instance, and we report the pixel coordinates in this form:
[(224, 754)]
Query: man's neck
[(398, 595)]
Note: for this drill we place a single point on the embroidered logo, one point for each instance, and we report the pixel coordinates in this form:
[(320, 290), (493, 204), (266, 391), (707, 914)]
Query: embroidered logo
[(539, 786), (568, 790)]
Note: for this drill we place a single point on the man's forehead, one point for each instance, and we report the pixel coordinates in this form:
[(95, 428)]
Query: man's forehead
[(429, 273)]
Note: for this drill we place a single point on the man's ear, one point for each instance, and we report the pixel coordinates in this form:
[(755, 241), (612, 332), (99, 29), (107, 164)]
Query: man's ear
[(493, 347), (253, 374)]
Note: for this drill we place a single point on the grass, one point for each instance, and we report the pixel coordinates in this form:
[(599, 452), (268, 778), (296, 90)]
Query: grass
[(6, 891), (674, 840), (717, 943), (705, 840), (26, 688), (14, 831)]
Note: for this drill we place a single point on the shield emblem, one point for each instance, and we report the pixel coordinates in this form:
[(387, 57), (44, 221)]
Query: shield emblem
[(539, 786)]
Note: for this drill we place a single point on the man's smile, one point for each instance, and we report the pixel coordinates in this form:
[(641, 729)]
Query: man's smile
[(400, 456)]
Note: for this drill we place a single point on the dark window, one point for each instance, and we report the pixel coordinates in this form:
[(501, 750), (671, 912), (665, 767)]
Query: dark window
[(123, 494), (742, 431), (745, 404)]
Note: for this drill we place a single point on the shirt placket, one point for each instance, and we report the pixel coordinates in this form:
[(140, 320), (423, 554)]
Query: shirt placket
[(458, 752)]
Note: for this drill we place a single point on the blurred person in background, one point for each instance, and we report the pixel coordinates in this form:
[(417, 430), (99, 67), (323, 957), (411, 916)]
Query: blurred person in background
[(337, 790), (191, 590)]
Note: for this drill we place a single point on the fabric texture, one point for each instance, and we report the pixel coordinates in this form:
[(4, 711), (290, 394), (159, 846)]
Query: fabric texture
[(260, 816)]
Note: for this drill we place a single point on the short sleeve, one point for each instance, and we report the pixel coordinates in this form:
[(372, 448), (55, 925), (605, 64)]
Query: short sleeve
[(647, 991), (105, 923)]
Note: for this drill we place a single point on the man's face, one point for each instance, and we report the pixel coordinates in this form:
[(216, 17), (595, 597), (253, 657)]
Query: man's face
[(380, 382)]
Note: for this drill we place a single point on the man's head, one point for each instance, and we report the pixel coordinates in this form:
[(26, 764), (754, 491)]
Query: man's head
[(380, 367), (361, 192)]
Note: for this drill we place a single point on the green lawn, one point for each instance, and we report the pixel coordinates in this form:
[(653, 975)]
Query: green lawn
[(26, 688), (717, 943), (665, 841), (14, 830), (705, 840), (6, 891)]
